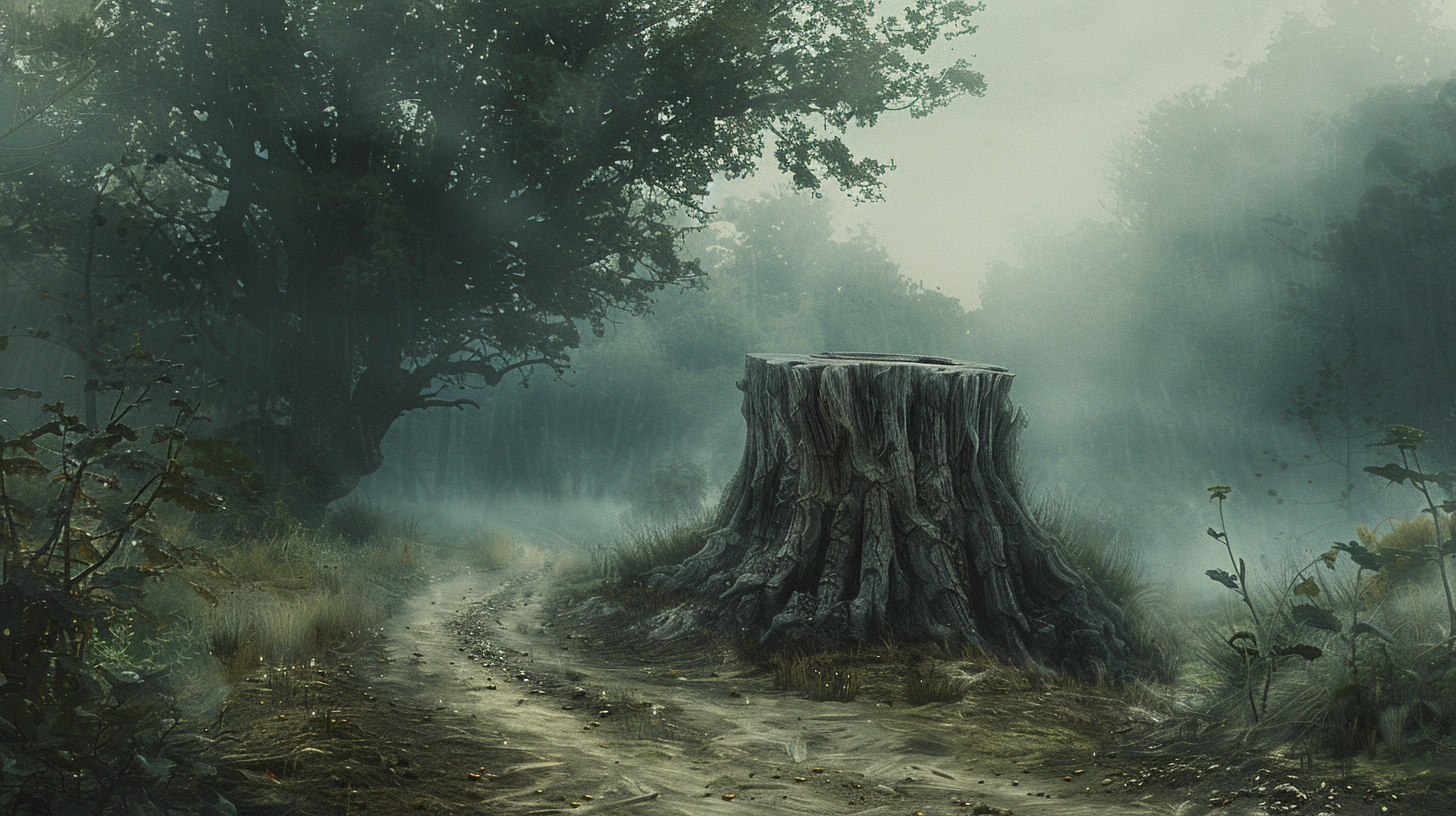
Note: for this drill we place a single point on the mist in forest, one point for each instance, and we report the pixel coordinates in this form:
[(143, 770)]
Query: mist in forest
[(1211, 243), (1261, 293)]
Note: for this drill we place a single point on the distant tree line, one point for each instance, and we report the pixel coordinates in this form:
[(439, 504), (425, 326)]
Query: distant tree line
[(1275, 283)]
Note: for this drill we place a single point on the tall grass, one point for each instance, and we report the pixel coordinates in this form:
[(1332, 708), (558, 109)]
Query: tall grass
[(818, 677), (646, 547), (1100, 552), (285, 598), (1363, 695)]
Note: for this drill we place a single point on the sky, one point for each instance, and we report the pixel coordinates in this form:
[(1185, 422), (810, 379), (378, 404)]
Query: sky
[(1068, 81)]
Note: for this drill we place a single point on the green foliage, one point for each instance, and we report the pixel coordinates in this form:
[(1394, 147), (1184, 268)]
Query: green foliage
[(399, 199), (1375, 665), (75, 735)]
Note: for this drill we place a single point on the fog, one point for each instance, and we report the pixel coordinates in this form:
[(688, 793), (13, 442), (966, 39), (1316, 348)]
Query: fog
[(434, 378), (1136, 216)]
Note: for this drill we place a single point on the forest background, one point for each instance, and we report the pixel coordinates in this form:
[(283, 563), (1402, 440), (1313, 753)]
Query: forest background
[(1273, 285)]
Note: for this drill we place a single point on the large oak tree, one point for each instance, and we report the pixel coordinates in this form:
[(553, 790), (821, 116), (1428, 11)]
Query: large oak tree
[(360, 205)]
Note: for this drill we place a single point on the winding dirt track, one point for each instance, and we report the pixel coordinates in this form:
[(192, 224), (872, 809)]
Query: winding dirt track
[(693, 738)]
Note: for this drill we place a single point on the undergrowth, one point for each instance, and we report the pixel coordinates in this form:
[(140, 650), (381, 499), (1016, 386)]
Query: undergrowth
[(1099, 551), (1349, 653)]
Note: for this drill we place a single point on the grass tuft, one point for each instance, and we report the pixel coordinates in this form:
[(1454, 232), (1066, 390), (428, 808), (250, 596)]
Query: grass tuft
[(650, 546), (357, 523), (819, 677), (1101, 554), (492, 550), (925, 684)]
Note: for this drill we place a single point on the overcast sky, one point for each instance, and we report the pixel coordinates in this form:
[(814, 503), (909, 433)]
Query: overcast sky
[(1068, 80)]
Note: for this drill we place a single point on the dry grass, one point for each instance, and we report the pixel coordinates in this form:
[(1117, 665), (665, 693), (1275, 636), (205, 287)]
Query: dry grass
[(492, 550), (816, 676), (925, 684), (649, 546)]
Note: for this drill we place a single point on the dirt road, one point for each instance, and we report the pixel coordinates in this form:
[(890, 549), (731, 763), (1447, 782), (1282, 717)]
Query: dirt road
[(619, 728)]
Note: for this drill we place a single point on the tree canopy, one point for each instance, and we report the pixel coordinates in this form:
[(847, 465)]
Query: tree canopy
[(355, 205)]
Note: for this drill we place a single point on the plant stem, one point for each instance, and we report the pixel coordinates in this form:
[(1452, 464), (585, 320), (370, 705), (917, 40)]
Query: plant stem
[(1436, 532), (1239, 571)]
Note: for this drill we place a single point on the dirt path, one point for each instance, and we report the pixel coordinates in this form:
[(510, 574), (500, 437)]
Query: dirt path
[(616, 728)]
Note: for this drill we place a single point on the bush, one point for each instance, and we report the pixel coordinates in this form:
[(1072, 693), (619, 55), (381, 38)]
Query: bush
[(1337, 659)]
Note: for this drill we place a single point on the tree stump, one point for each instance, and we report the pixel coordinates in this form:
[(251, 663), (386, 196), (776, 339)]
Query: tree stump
[(877, 497)]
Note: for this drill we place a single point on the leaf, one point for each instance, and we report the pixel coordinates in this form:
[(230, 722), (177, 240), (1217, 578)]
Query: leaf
[(1223, 578), (1403, 437), (1247, 651), (85, 550), (1397, 474), (1369, 559), (1220, 492), (1330, 557), (23, 466), (1307, 588), (1316, 617), (198, 502), (203, 592), (1212, 533), (23, 513), (158, 557), (17, 393), (1363, 628), (1303, 650)]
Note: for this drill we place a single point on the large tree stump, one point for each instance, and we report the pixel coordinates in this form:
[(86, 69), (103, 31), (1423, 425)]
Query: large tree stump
[(877, 497)]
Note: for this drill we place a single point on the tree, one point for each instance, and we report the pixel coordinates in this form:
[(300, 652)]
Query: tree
[(659, 390), (1174, 337), (358, 205)]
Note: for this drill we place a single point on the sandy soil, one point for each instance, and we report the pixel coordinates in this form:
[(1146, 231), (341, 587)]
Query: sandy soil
[(615, 727), (485, 696)]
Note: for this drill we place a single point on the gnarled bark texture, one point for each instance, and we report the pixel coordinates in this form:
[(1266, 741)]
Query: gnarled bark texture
[(877, 497)]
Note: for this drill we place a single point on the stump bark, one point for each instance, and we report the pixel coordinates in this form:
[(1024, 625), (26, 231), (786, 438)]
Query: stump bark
[(877, 497)]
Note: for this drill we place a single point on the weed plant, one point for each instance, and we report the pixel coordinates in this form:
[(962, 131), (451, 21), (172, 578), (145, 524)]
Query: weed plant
[(87, 725), (1352, 652)]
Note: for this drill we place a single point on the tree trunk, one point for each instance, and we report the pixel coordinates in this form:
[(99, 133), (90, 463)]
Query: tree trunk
[(877, 497)]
